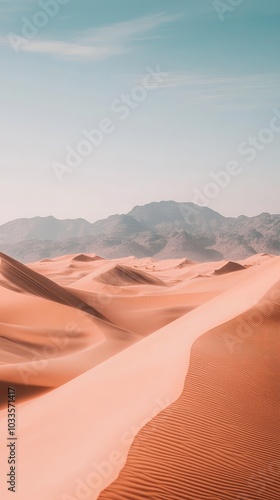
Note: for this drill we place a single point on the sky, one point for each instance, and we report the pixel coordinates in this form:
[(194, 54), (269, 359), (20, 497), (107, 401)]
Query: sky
[(108, 104)]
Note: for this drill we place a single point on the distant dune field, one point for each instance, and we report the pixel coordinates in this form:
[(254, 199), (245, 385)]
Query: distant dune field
[(142, 378)]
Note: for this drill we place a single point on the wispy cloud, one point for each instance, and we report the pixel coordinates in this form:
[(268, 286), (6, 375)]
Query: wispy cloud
[(68, 51), (128, 31), (103, 42), (242, 91)]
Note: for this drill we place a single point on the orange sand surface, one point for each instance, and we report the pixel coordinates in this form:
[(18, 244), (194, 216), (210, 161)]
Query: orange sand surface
[(141, 379)]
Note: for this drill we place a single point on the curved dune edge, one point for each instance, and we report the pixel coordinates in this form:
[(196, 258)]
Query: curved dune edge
[(220, 438), (185, 263), (230, 267), (36, 284), (44, 342), (86, 258), (116, 275), (134, 386), (120, 275), (62, 357)]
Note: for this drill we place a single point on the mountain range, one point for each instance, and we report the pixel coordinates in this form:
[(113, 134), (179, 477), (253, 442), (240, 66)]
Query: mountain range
[(165, 229)]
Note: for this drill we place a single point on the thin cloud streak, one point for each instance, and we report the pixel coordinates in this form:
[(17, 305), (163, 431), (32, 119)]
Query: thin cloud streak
[(243, 92), (72, 51), (103, 42)]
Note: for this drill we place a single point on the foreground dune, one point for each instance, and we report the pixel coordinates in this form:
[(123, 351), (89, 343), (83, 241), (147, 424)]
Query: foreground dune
[(220, 439), (172, 348)]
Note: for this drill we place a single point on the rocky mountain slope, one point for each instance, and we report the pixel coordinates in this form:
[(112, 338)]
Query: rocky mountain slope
[(164, 229)]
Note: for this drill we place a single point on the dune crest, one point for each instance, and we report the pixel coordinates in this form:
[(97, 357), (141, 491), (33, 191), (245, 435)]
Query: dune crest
[(230, 267), (174, 396), (122, 275), (86, 258), (32, 282), (185, 263), (203, 446)]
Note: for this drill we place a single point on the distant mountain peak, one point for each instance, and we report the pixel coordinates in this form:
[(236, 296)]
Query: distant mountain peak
[(164, 229)]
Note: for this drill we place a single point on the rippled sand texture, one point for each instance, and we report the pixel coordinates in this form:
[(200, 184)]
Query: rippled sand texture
[(142, 379), (221, 438)]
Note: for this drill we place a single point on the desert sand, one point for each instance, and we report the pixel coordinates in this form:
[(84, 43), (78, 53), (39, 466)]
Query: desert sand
[(141, 379)]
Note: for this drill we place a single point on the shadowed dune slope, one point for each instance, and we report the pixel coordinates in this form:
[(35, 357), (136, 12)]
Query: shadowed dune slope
[(36, 284), (220, 439), (86, 258), (123, 276), (185, 263), (24, 392), (230, 267)]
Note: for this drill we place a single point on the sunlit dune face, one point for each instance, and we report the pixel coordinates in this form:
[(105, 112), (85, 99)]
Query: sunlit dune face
[(166, 370)]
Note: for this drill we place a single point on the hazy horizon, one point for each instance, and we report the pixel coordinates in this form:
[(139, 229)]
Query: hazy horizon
[(92, 220)]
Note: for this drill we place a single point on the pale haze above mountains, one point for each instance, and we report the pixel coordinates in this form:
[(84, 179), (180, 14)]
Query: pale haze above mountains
[(160, 230)]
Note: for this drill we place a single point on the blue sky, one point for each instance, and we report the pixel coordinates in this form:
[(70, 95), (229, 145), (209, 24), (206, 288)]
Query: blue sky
[(220, 87)]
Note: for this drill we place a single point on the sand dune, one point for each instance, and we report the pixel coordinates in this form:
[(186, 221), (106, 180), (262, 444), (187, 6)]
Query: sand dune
[(184, 263), (124, 276), (32, 282), (190, 411), (210, 443), (85, 258), (230, 267)]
